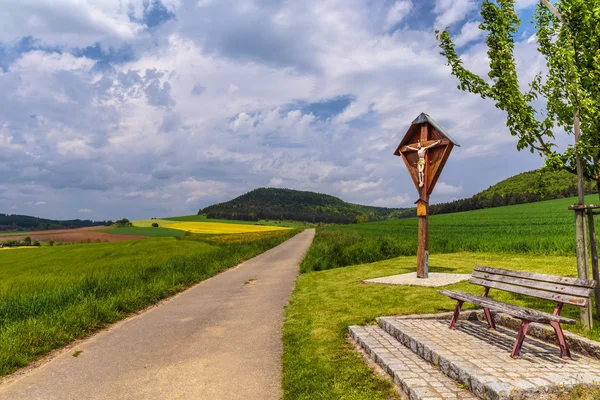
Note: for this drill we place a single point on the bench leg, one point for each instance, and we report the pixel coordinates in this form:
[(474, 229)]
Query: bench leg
[(520, 337), (456, 314), (562, 342), (488, 317)]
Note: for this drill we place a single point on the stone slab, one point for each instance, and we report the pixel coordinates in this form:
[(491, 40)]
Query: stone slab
[(479, 358), (417, 378), (435, 279)]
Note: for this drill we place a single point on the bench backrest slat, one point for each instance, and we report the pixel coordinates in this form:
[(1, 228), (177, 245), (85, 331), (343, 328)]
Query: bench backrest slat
[(539, 277), (551, 287), (541, 294)]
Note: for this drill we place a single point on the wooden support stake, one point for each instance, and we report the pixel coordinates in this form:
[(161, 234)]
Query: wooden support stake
[(594, 251), (585, 313)]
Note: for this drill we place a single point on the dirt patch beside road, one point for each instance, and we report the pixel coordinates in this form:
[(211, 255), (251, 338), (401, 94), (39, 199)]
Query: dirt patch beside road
[(73, 235)]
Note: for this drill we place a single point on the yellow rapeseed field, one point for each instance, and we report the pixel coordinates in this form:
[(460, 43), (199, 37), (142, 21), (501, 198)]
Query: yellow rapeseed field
[(218, 227), (147, 223)]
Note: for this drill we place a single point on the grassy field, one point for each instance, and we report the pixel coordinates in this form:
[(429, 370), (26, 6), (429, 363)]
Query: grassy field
[(318, 361), (145, 231), (12, 233), (53, 295), (536, 228)]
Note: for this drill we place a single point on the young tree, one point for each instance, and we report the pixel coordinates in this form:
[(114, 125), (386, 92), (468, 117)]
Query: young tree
[(568, 37), (569, 87)]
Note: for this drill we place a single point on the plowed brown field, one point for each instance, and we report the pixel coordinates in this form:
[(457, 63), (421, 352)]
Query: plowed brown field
[(73, 235)]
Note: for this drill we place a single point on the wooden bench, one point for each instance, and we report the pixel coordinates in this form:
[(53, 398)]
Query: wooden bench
[(558, 289)]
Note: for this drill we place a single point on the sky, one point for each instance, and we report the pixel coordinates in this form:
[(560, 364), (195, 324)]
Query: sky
[(154, 108)]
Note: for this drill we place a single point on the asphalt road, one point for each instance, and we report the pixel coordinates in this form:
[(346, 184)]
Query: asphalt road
[(220, 339)]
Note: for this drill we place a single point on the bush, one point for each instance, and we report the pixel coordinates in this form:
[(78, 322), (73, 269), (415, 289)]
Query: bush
[(50, 242), (121, 223), (36, 243), (154, 225), (187, 233), (109, 223), (27, 241)]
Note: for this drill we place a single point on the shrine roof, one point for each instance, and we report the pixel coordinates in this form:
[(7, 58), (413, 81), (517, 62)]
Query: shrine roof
[(426, 118)]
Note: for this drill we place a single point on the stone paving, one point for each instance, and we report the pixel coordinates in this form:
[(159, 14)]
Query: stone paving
[(435, 279), (417, 378), (479, 358)]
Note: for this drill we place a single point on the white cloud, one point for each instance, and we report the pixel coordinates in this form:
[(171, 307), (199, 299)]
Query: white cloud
[(451, 11), (249, 97), (39, 203), (469, 32), (70, 22), (522, 4), (401, 201), (398, 12), (444, 189), (85, 210)]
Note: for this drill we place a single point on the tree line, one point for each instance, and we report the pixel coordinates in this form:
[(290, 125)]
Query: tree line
[(16, 223)]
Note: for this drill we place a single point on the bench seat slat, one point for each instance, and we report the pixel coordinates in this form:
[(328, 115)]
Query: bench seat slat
[(540, 294), (552, 287), (499, 306), (540, 277)]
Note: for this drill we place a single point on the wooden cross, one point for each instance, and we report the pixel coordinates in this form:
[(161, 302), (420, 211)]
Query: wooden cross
[(424, 150)]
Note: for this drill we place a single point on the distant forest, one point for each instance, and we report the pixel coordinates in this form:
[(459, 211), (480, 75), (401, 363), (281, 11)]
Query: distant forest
[(287, 204), (23, 223), (527, 187)]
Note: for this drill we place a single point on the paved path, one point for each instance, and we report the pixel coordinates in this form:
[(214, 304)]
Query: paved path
[(219, 340)]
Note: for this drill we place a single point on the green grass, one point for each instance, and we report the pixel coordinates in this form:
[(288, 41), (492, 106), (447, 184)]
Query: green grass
[(536, 228), (53, 295), (145, 231), (318, 362), (13, 233), (202, 218)]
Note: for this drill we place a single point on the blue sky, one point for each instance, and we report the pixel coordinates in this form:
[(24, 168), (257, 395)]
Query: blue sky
[(138, 108)]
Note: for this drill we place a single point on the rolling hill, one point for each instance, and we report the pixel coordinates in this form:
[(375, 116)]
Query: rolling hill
[(295, 205), (527, 187), (287, 204)]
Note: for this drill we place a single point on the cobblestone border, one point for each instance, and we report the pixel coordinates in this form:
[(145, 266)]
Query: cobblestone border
[(418, 379), (482, 385)]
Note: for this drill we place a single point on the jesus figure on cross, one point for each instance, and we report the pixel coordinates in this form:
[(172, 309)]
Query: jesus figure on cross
[(421, 151)]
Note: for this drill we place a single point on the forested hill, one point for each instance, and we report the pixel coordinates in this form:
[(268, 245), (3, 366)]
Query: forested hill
[(527, 187), (287, 204), (23, 223)]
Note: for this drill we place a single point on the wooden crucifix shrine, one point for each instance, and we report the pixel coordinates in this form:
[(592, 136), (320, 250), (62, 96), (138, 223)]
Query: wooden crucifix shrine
[(425, 149)]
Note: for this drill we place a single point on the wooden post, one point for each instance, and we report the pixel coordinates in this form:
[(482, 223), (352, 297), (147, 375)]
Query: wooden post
[(594, 251), (423, 250)]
